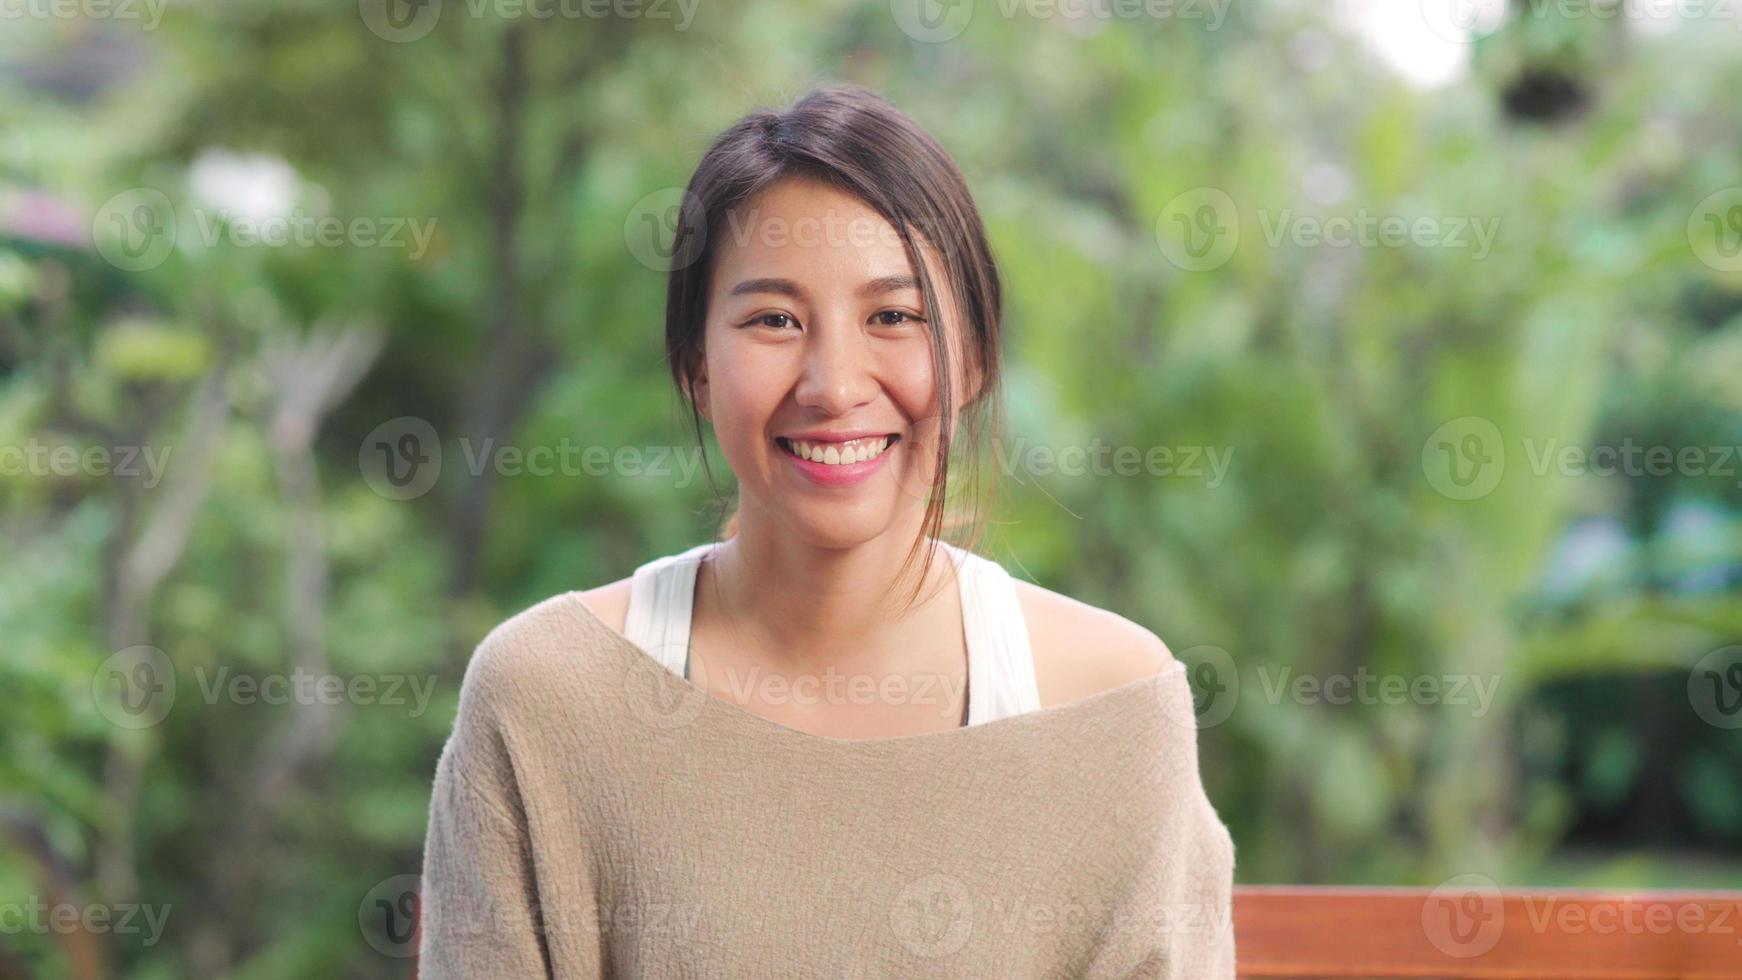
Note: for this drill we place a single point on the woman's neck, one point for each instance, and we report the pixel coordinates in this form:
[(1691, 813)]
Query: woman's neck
[(811, 607)]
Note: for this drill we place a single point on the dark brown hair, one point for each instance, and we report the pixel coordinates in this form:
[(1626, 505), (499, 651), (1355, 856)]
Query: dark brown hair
[(855, 140)]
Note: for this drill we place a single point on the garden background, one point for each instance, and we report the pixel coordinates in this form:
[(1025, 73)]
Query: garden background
[(1384, 358)]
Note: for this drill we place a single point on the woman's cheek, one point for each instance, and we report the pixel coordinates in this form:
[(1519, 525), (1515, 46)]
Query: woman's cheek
[(744, 409), (909, 371)]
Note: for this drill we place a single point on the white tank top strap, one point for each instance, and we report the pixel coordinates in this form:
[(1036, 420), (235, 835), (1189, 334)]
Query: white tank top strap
[(661, 597), (1001, 678)]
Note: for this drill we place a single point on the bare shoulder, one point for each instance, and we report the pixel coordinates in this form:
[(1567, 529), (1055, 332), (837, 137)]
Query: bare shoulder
[(609, 602), (1080, 649)]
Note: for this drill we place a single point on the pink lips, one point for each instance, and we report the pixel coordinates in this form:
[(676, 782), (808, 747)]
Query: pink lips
[(838, 475)]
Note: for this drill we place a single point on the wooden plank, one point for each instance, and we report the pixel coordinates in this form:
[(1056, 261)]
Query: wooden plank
[(1471, 929)]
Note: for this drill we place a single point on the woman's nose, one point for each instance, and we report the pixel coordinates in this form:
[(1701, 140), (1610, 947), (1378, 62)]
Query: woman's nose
[(838, 374)]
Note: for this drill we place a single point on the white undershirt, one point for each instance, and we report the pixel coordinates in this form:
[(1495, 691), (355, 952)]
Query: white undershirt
[(1000, 663)]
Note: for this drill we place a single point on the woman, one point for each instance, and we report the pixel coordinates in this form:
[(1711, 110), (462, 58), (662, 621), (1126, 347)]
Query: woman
[(831, 743)]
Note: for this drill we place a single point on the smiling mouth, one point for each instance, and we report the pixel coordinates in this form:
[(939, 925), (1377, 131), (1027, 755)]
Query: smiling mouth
[(838, 453)]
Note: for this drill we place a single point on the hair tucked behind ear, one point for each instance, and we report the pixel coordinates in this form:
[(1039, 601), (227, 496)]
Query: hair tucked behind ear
[(855, 140)]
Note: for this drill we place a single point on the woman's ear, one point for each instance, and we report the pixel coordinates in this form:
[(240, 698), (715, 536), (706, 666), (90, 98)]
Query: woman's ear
[(968, 373), (699, 390)]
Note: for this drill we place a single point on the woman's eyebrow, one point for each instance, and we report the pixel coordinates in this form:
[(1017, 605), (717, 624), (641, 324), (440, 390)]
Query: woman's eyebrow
[(888, 284), (786, 287)]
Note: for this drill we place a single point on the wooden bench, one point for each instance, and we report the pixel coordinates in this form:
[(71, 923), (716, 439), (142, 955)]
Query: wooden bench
[(1477, 933)]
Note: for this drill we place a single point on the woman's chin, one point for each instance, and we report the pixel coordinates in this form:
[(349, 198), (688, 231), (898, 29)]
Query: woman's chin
[(837, 526)]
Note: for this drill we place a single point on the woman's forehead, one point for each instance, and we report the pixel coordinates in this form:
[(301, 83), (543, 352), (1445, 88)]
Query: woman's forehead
[(803, 229)]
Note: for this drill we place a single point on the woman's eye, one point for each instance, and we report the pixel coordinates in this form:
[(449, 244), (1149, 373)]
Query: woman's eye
[(775, 320), (895, 318)]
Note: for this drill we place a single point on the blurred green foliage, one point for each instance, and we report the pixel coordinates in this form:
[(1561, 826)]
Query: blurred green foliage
[(1325, 375)]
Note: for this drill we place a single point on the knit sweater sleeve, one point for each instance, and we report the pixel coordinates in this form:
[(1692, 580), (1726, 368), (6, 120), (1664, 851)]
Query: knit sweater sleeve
[(481, 897)]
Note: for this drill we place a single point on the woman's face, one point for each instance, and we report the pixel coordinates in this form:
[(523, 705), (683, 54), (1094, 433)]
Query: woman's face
[(816, 333)]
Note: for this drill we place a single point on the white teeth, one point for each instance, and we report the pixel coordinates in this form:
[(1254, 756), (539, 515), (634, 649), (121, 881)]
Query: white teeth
[(839, 453)]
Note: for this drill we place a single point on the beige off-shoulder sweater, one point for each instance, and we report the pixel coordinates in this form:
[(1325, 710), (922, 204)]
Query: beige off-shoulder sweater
[(595, 815)]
